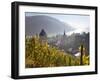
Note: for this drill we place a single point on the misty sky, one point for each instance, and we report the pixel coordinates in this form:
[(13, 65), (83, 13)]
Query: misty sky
[(80, 23)]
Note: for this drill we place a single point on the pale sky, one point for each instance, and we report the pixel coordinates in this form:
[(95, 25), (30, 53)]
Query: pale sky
[(80, 23)]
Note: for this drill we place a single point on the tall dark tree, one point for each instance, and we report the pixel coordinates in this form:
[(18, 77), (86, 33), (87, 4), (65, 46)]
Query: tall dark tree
[(43, 35)]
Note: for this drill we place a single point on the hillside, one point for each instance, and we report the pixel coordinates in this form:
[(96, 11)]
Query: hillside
[(41, 54), (50, 24)]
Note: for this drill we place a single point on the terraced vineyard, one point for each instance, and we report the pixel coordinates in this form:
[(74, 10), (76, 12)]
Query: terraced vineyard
[(40, 54)]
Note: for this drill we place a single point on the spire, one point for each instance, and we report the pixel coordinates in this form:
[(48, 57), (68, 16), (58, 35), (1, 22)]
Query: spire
[(64, 33)]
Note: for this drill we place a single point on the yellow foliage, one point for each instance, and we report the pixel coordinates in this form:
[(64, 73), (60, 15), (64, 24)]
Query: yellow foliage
[(40, 54)]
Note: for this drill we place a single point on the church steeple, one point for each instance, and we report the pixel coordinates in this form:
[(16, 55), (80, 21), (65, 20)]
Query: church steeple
[(64, 33)]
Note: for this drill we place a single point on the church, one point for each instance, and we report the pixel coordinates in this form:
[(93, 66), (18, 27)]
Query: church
[(62, 40)]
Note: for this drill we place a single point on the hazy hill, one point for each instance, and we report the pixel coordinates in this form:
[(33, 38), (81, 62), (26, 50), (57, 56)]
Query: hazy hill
[(34, 24)]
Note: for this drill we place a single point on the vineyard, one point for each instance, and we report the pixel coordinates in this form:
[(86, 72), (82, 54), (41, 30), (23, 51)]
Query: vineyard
[(39, 53)]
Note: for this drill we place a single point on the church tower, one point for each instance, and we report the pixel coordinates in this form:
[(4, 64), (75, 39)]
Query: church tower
[(64, 37), (64, 32)]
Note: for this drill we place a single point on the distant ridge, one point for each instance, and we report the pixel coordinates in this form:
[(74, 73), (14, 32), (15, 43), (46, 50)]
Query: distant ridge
[(34, 24)]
